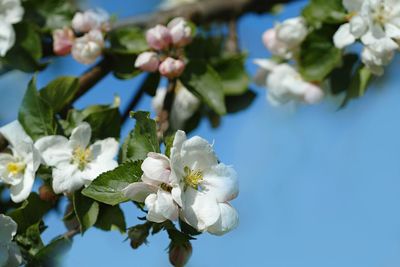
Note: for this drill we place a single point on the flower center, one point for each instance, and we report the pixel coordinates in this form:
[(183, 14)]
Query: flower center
[(192, 178), (15, 168), (81, 157), (166, 187), (380, 14)]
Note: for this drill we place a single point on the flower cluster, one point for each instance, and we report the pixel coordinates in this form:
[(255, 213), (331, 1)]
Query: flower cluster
[(90, 26), (377, 24), (10, 254), (74, 162), (11, 12), (183, 108), (284, 83), (191, 185), (167, 44)]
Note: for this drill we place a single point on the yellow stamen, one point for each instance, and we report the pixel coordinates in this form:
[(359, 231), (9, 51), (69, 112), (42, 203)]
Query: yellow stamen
[(192, 177), (15, 167), (81, 157)]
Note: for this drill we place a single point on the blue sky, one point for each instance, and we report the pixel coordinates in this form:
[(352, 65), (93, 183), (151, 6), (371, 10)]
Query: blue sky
[(319, 187)]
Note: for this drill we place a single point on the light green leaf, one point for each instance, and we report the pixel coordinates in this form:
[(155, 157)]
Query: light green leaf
[(141, 140), (51, 255), (107, 188), (202, 80), (359, 84), (322, 11), (129, 40), (35, 114)]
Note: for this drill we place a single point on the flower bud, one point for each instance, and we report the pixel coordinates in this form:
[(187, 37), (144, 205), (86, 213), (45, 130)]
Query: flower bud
[(181, 32), (138, 235), (171, 68), (313, 94), (63, 40), (92, 19), (179, 253), (88, 47), (158, 37), (46, 193), (273, 44), (292, 32), (147, 61)]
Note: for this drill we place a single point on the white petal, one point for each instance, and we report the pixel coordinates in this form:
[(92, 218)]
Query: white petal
[(7, 37), (228, 220), (343, 36), (14, 133), (54, 149), (106, 149), (199, 210), (265, 64), (353, 5), (14, 255), (165, 205), (3, 255), (81, 135), (67, 178), (21, 191), (95, 168), (139, 191), (222, 182), (12, 11), (156, 167), (152, 215), (358, 26), (197, 153), (8, 229), (176, 193)]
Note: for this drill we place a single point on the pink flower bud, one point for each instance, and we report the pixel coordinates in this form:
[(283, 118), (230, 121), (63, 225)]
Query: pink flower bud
[(313, 94), (171, 68), (158, 37), (88, 47), (272, 43), (180, 31), (63, 40), (92, 19), (147, 61), (179, 253)]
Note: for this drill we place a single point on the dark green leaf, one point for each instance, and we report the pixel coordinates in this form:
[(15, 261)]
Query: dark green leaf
[(129, 40), (51, 254), (105, 123), (340, 78), (203, 80), (60, 92), (240, 102), (107, 188), (31, 240), (322, 11), (111, 218), (35, 114), (359, 84), (86, 210), (319, 56), (141, 140)]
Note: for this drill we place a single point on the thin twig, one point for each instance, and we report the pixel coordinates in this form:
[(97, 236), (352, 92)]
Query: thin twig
[(71, 233), (163, 116), (232, 44)]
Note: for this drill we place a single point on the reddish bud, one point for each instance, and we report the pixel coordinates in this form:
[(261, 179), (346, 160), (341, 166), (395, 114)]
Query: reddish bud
[(172, 68), (180, 253), (158, 37)]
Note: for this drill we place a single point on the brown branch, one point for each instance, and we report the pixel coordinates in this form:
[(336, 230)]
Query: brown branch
[(232, 44), (71, 233), (163, 115)]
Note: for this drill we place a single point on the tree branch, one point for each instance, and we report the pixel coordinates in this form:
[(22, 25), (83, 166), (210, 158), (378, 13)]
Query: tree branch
[(163, 116)]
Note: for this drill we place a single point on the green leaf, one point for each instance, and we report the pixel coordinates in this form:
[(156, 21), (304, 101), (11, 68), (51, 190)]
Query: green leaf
[(203, 80), (111, 218), (27, 50), (35, 114), (141, 140), (60, 92), (322, 11), (129, 40), (31, 212), (151, 83), (86, 210), (340, 78), (123, 66), (233, 74), (107, 188), (240, 102), (359, 84), (319, 56), (51, 254), (31, 240)]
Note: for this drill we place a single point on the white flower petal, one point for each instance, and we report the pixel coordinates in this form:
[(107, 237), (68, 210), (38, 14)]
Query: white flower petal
[(197, 153), (199, 210), (14, 255), (221, 181), (343, 37), (67, 178), (152, 215), (11, 11), (54, 149), (228, 220), (106, 149), (14, 133), (21, 191), (7, 37), (96, 167), (139, 191), (176, 193), (81, 135), (8, 229), (165, 205), (157, 168), (353, 5)]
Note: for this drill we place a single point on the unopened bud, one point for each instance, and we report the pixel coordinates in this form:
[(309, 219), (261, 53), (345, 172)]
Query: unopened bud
[(158, 37), (180, 253), (147, 61), (138, 235), (172, 68), (313, 94), (181, 32), (88, 47), (63, 40), (271, 42), (92, 19), (46, 193)]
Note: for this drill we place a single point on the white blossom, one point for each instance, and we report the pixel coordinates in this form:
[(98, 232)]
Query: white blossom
[(285, 38), (184, 106), (206, 185), (156, 189), (285, 84), (11, 12), (18, 169), (10, 254), (76, 163), (87, 48), (92, 19)]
